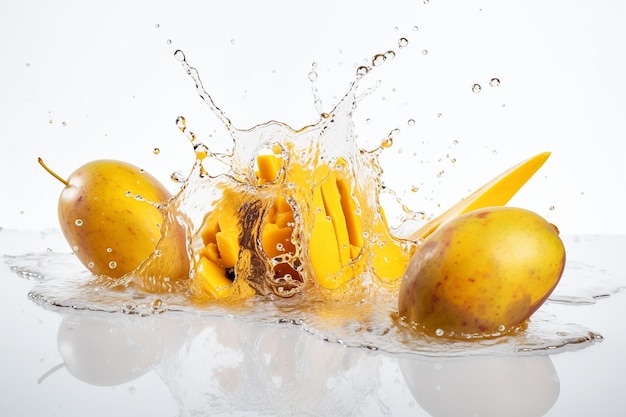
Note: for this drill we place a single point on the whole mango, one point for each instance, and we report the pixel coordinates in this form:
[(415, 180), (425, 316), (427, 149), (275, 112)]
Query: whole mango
[(483, 272), (108, 214)]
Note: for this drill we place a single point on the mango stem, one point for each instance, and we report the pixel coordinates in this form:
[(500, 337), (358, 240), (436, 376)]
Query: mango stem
[(51, 172)]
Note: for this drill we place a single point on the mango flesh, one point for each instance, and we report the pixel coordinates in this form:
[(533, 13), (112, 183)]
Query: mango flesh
[(109, 216), (486, 271), (336, 249)]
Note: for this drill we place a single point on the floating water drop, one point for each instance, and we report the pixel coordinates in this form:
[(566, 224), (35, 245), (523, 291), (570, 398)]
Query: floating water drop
[(112, 265), (156, 151), (78, 222), (411, 122), (476, 88), (181, 123), (109, 250), (390, 55), (424, 52), (494, 82), (402, 42), (169, 41), (178, 177), (439, 332), (378, 59), (179, 55), (362, 71)]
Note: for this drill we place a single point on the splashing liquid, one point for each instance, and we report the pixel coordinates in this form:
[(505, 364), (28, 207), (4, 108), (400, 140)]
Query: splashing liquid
[(292, 216), (288, 211)]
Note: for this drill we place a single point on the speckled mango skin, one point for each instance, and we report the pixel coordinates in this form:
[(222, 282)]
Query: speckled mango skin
[(488, 268), (103, 221)]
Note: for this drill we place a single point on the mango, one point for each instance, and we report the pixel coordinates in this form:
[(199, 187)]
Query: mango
[(484, 272), (109, 216)]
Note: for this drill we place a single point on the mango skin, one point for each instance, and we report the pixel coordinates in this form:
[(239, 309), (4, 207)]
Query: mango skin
[(486, 271), (111, 231)]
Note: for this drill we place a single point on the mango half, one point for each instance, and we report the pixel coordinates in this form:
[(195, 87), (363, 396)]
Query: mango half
[(484, 272)]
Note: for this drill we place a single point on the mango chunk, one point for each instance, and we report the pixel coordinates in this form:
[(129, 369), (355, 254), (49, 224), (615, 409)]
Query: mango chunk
[(212, 279)]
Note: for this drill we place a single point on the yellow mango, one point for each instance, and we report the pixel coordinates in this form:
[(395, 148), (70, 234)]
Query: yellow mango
[(107, 212), (486, 271)]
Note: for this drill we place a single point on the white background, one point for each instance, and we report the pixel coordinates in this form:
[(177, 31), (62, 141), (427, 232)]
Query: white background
[(89, 80)]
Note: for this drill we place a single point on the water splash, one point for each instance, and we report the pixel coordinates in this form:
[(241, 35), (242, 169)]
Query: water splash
[(62, 283)]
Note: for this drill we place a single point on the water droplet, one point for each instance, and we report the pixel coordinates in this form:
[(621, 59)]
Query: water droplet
[(169, 41), (178, 177), (368, 121), (390, 55), (156, 151), (439, 332), (402, 42), (455, 142), (411, 122), (280, 247), (138, 197), (109, 250), (157, 26), (439, 115), (129, 194), (424, 51), (425, 1), (179, 55), (50, 121), (476, 88), (90, 265), (494, 82), (494, 152), (415, 28), (453, 160), (378, 59), (551, 207), (414, 188), (74, 248), (232, 41), (501, 328), (387, 142), (312, 76), (112, 265), (63, 123), (78, 222), (157, 252), (181, 123), (362, 71)]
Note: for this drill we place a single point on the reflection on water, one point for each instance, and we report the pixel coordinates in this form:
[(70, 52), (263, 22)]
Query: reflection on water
[(497, 386), (217, 366)]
